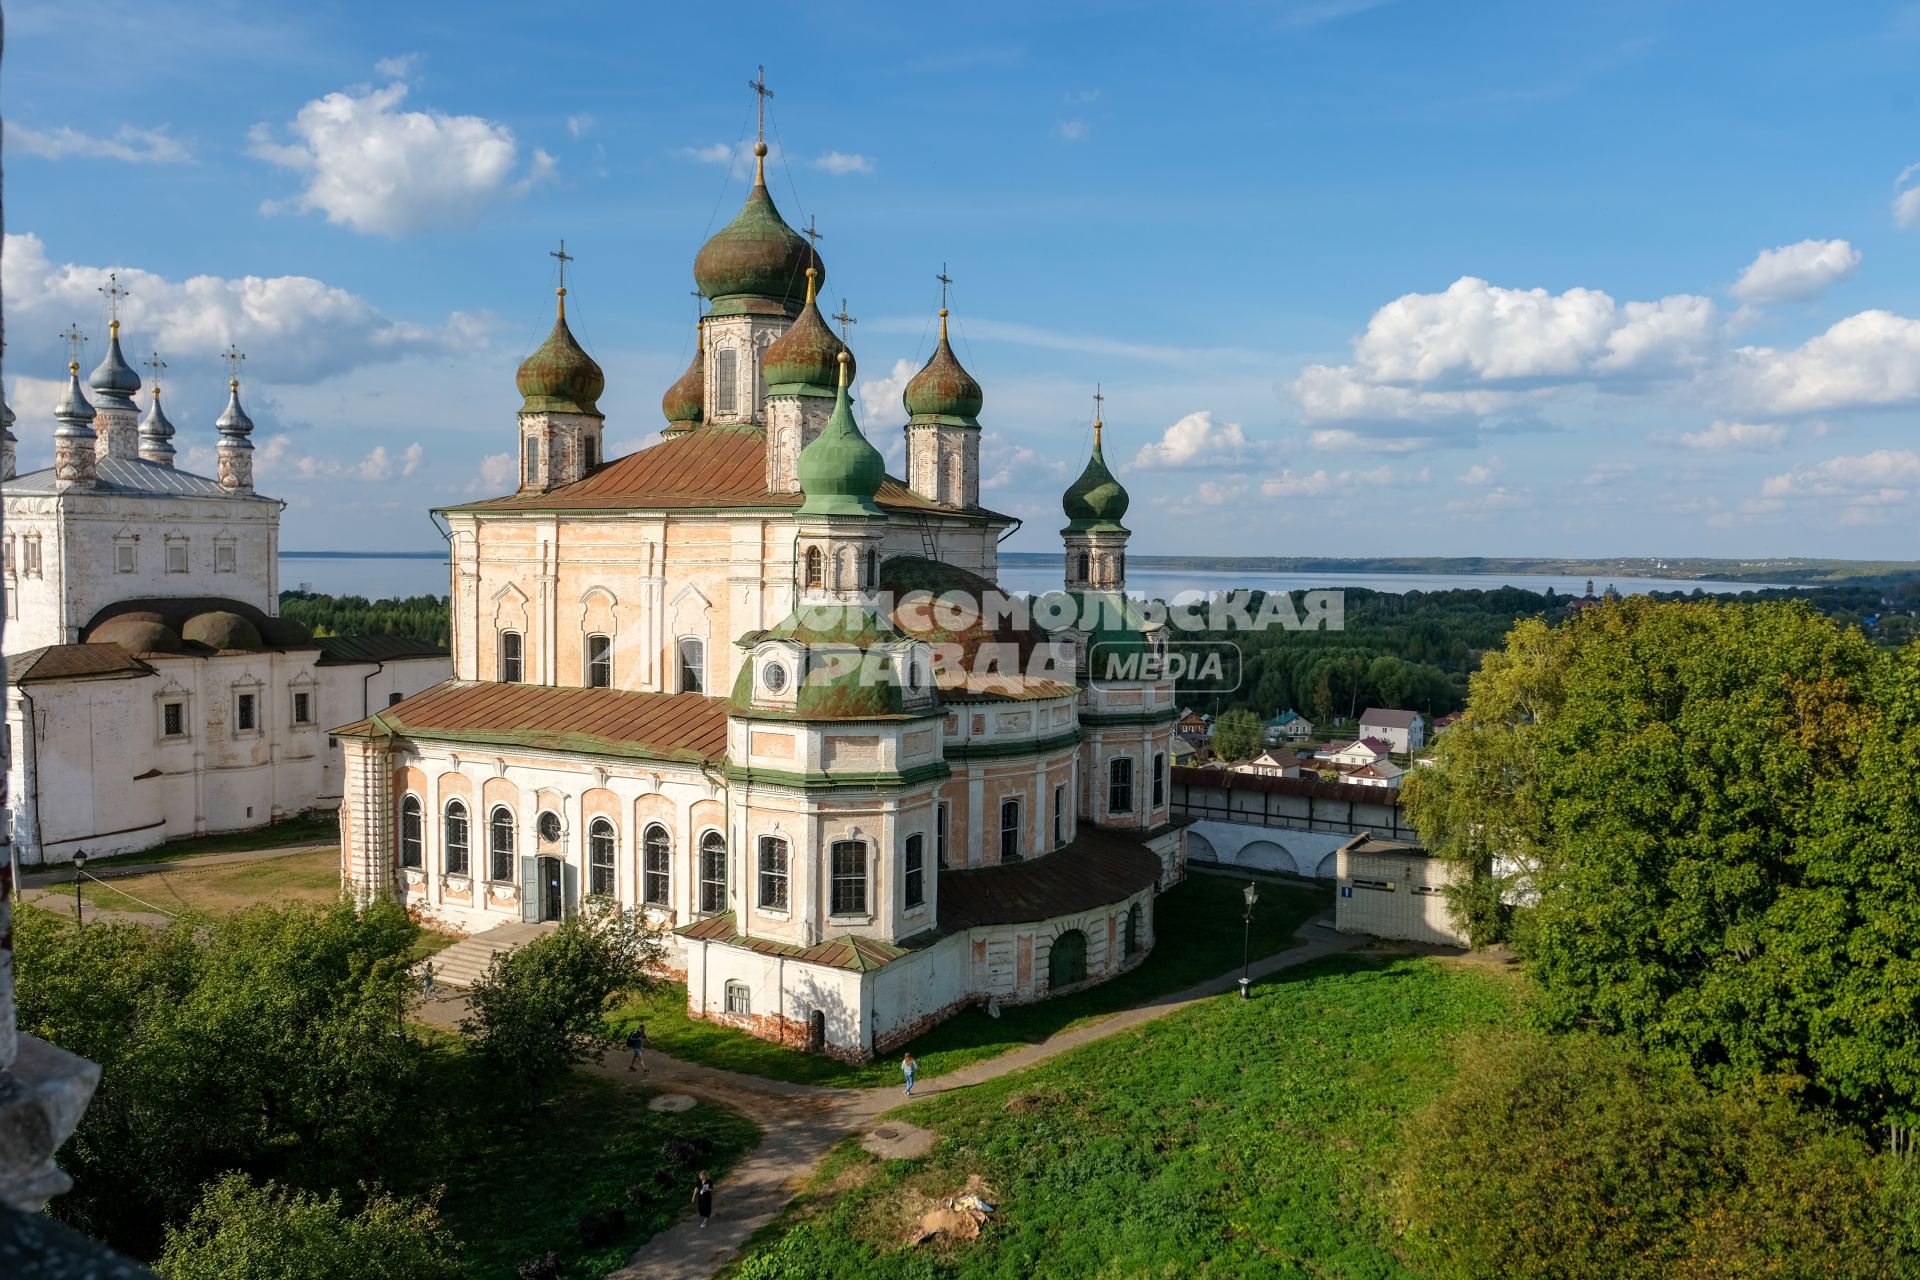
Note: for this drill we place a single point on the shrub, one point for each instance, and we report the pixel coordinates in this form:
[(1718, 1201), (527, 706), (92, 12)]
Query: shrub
[(1576, 1156), (272, 1233)]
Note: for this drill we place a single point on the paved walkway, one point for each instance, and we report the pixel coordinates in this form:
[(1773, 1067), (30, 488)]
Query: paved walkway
[(802, 1122)]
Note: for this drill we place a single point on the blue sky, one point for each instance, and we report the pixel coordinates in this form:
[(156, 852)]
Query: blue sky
[(1358, 278)]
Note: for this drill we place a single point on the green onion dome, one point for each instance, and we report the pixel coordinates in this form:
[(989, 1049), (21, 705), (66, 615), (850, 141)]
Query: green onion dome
[(943, 391), (808, 353), (755, 264), (115, 379), (685, 401), (1096, 499), (840, 472), (560, 377)]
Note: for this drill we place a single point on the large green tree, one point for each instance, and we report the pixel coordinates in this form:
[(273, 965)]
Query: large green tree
[(1237, 735), (1707, 813), (269, 1040), (279, 1233)]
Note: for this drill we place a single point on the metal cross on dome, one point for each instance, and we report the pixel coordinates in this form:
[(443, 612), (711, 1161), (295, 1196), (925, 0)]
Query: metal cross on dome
[(154, 364), (114, 293), (814, 236), (845, 320), (760, 87), (1098, 400), (565, 258), (233, 356), (73, 338), (946, 283)]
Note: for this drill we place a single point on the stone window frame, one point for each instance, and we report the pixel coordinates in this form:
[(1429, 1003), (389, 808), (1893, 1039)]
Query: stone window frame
[(464, 844), (942, 830), (603, 834), (813, 568), (913, 871), (768, 876), (726, 379), (835, 878), (303, 687), (161, 701), (1159, 779), (530, 460), (1059, 814), (13, 602), (703, 846), (32, 563), (598, 669), (1116, 788), (665, 873), (184, 544), (516, 661), (682, 667), (1015, 830), (737, 993), (413, 814), (226, 554), (248, 704), (6, 555), (494, 849), (126, 553)]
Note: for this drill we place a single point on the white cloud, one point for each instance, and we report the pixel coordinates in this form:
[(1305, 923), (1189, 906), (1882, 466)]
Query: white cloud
[(410, 460), (1906, 199), (1497, 498), (376, 168), (1796, 272), (1071, 130), (738, 158), (1003, 462), (837, 163), (1606, 473), (1730, 437), (1870, 488), (137, 146), (400, 67), (294, 328), (278, 456), (497, 474), (1481, 473), (1872, 358), (1341, 393), (577, 126), (1195, 441), (712, 153), (376, 465), (877, 400), (1209, 493), (1335, 440), (1479, 332), (1289, 485)]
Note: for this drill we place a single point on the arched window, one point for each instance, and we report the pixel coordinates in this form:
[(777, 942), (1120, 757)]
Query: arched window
[(1010, 831), (816, 568), (533, 460), (913, 877), (1159, 778), (413, 841), (693, 665), (656, 865), (773, 873), (600, 858), (512, 668), (849, 887), (1082, 567), (1130, 940), (726, 380), (599, 662), (590, 448), (455, 854), (713, 873), (1120, 784), (500, 845)]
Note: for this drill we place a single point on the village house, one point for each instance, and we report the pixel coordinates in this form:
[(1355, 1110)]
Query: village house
[(1288, 726), (1272, 763), (1403, 731)]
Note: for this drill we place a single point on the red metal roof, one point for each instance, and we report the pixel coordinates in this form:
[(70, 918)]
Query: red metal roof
[(705, 469), (684, 727)]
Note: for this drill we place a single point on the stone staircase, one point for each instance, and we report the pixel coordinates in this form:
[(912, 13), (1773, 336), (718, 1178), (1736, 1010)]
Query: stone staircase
[(463, 963)]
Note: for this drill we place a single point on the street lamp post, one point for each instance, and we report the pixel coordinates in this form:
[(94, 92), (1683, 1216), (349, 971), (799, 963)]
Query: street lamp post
[(1252, 895), (79, 865)]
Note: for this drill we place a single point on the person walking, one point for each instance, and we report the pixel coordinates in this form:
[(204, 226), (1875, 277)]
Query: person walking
[(907, 1067), (426, 981), (703, 1198), (637, 1045)]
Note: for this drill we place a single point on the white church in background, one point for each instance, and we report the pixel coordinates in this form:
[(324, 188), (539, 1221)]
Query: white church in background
[(153, 691)]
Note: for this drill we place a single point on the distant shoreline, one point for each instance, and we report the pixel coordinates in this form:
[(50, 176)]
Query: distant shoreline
[(363, 555)]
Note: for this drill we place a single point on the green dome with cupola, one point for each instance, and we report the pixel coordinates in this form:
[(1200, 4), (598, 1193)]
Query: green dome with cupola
[(943, 391), (806, 358), (560, 377), (1096, 500), (756, 264), (685, 403), (841, 471)]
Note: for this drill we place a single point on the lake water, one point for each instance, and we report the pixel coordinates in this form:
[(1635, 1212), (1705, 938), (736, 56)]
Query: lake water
[(379, 576)]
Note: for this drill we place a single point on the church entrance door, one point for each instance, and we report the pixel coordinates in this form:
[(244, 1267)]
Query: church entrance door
[(552, 900)]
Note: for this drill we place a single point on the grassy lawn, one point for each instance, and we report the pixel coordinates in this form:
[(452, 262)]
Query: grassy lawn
[(305, 829), (517, 1185), (225, 886), (1234, 1139), (1198, 923)]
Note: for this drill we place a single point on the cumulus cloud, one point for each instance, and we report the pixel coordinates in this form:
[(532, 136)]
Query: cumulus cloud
[(1906, 198), (1195, 441), (877, 400), (1342, 393), (134, 145), (376, 168), (295, 329), (410, 460), (1002, 462), (839, 162), (279, 456), (1872, 358), (1732, 437), (1337, 440), (1481, 473), (498, 471), (1868, 488), (1317, 483), (1288, 484), (1796, 272)]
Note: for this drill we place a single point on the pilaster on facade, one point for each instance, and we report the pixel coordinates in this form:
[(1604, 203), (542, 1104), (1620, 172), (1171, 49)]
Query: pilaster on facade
[(793, 423), (557, 449), (943, 463), (735, 348)]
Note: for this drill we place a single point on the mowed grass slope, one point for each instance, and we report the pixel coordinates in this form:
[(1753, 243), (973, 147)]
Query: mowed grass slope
[(1200, 926), (312, 876), (1235, 1139)]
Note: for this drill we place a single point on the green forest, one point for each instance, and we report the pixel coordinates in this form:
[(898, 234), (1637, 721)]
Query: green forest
[(414, 617)]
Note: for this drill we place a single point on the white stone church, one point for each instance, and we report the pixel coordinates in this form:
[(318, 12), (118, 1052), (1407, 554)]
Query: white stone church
[(153, 691), (706, 680)]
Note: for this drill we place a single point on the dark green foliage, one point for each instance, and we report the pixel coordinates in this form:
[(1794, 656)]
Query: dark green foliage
[(272, 1233), (542, 1007), (1577, 1158), (1237, 735), (268, 1040), (1237, 1139), (1716, 808), (423, 618)]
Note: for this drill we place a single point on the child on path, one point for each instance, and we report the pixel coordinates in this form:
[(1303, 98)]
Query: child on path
[(426, 981), (637, 1045), (907, 1067), (703, 1198)]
